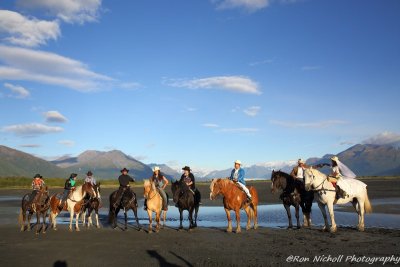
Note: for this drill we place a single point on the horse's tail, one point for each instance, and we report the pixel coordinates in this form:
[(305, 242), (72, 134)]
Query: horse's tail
[(251, 213), (21, 217), (367, 204)]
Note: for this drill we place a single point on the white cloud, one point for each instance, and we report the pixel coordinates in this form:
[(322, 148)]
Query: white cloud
[(130, 85), (249, 5), (210, 125), (68, 143), (24, 31), (48, 68), (310, 68), (318, 124), (238, 130), (31, 129), (30, 145), (383, 139), (70, 11), (252, 111), (54, 116), (18, 91), (262, 62), (190, 109), (240, 84)]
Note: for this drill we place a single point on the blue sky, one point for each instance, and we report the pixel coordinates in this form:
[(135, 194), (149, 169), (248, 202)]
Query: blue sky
[(199, 83)]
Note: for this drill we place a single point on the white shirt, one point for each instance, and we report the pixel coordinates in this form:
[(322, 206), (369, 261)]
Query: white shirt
[(236, 174), (336, 170), (300, 172)]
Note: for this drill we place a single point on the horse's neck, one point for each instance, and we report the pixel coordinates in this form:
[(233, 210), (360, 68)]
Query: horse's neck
[(78, 194), (322, 181), (226, 186)]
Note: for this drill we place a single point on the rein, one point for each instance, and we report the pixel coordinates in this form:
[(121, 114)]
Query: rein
[(322, 190), (149, 195)]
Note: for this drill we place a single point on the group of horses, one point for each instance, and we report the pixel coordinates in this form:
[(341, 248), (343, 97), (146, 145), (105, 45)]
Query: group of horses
[(86, 198)]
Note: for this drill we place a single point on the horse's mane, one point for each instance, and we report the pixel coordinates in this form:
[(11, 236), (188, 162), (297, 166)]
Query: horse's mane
[(148, 183)]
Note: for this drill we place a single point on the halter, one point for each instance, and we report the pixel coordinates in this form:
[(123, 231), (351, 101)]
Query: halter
[(322, 190)]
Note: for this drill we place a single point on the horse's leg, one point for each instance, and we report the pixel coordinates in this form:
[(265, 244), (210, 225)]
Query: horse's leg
[(297, 216), (89, 217), (191, 224), (164, 217), (29, 220), (149, 212), (77, 222), (53, 220), (196, 210), (97, 217), (180, 218), (237, 213), (44, 222), (158, 221), (255, 217), (228, 216), (248, 213), (23, 214), (84, 214), (126, 219), (361, 208), (37, 222), (136, 217), (71, 217), (289, 215), (332, 215), (323, 211)]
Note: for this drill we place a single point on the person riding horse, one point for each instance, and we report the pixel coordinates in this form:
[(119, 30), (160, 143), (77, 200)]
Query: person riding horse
[(337, 176), (37, 185), (188, 179), (237, 176), (298, 171), (68, 188), (89, 179), (161, 183), (123, 180)]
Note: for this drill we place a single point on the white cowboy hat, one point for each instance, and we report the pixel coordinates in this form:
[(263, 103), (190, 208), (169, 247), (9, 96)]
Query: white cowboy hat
[(156, 168), (238, 162), (301, 161), (335, 158)]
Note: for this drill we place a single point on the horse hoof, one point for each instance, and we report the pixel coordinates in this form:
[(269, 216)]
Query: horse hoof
[(55, 229), (238, 231), (150, 232), (255, 227), (333, 230), (361, 228), (289, 227), (70, 229), (29, 229), (229, 230), (298, 227)]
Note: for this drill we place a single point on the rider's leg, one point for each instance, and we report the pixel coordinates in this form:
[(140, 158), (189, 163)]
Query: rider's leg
[(164, 197), (120, 193), (245, 189), (64, 198)]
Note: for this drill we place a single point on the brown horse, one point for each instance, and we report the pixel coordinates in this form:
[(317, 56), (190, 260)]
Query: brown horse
[(40, 206), (235, 199), (154, 204), (73, 204)]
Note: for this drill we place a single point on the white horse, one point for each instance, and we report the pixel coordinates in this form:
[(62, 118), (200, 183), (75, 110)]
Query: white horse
[(73, 205), (326, 196)]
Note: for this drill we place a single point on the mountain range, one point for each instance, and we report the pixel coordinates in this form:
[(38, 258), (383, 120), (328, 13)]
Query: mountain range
[(363, 159)]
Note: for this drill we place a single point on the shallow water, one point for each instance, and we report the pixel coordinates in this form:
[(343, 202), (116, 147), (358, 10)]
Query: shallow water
[(268, 216)]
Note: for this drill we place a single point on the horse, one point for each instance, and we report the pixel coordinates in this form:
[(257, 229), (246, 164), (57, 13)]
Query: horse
[(90, 205), (128, 202), (41, 207), (235, 199), (326, 196), (73, 204), (294, 194), (185, 200), (154, 204)]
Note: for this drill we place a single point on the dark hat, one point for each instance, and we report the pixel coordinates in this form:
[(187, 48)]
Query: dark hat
[(73, 175), (124, 169), (37, 176), (186, 168), (89, 173)]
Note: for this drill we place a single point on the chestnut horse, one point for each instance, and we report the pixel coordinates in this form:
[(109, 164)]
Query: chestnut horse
[(73, 204), (235, 199), (41, 206), (154, 204)]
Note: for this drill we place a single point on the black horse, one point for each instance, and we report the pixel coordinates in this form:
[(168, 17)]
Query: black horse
[(186, 200), (294, 194), (128, 201), (91, 204)]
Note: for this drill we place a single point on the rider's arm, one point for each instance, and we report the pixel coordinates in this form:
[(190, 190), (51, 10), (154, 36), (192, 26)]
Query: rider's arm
[(165, 182), (241, 175)]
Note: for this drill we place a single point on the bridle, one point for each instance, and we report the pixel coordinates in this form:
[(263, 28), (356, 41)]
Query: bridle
[(321, 190), (149, 193)]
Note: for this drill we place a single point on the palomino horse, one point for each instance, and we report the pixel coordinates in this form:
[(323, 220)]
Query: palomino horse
[(185, 200), (154, 204), (235, 199), (128, 202), (326, 196), (41, 206), (73, 204), (91, 204), (294, 194)]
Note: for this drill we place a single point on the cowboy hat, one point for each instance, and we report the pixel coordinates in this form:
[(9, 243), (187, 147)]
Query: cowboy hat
[(89, 173), (335, 158), (301, 161), (37, 176), (186, 168), (125, 169), (238, 162), (156, 168)]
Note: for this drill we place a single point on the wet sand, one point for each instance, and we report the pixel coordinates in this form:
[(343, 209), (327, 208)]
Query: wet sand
[(201, 247)]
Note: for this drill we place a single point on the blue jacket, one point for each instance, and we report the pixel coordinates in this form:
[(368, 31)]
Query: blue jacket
[(240, 176)]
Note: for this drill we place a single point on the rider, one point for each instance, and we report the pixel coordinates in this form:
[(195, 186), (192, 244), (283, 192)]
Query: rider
[(298, 171), (89, 178), (37, 185), (336, 177), (237, 176), (188, 179), (161, 183), (68, 188), (123, 180)]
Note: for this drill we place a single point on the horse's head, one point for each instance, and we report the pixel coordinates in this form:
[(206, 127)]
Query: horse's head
[(97, 189), (176, 190), (215, 188), (88, 188), (309, 178), (148, 187), (278, 181)]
